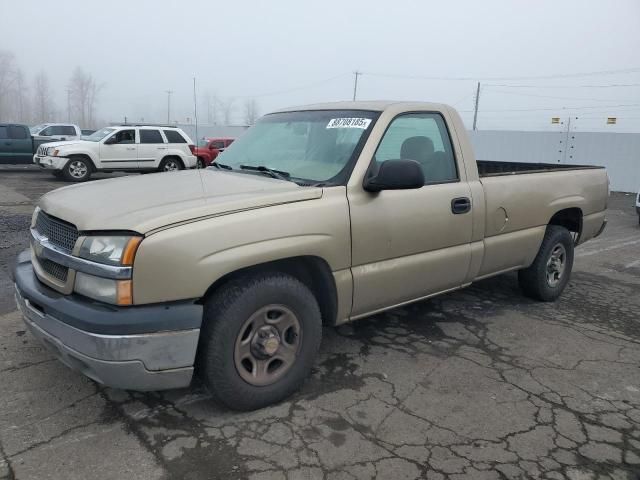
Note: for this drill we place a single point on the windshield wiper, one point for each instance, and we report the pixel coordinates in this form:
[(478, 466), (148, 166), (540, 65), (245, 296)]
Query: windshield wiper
[(221, 166), (279, 174)]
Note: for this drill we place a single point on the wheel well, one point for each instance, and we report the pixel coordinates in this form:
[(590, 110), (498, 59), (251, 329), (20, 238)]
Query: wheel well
[(84, 157), (571, 219), (313, 271), (173, 156)]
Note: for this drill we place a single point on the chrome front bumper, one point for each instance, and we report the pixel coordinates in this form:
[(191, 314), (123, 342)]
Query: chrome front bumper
[(152, 361)]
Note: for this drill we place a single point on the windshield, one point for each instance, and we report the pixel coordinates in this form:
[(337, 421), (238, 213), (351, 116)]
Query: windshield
[(312, 146), (98, 135), (35, 129)]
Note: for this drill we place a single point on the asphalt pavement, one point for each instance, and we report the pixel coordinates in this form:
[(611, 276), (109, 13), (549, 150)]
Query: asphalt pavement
[(478, 384)]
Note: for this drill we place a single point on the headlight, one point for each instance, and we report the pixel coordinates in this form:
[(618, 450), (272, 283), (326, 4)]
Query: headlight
[(110, 250), (116, 292)]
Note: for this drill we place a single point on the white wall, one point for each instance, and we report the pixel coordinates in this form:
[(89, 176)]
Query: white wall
[(618, 152)]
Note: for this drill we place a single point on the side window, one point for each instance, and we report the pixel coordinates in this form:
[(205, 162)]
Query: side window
[(47, 132), (68, 130), (150, 136), (174, 136), (217, 144), (17, 133), (126, 136), (422, 137), (4, 131), (57, 130)]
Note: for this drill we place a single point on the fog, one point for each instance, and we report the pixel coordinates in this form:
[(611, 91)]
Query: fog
[(283, 53)]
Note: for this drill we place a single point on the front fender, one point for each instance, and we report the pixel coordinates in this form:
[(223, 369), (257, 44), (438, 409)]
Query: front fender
[(182, 262)]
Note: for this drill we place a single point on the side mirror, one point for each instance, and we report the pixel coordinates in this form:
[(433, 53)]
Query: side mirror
[(395, 175), (110, 141)]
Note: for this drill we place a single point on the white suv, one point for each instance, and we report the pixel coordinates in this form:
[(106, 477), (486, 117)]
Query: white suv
[(125, 148)]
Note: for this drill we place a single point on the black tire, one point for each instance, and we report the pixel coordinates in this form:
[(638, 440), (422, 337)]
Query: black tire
[(541, 280), (170, 164), (77, 169), (200, 163), (225, 318)]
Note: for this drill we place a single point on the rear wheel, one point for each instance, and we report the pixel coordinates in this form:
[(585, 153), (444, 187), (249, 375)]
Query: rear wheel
[(170, 164), (260, 340), (200, 163), (77, 169), (549, 273)]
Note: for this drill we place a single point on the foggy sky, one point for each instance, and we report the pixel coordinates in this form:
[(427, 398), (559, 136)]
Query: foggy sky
[(308, 51)]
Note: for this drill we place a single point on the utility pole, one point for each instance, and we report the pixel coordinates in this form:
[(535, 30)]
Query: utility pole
[(475, 110), (69, 105), (566, 140), (169, 92), (355, 84)]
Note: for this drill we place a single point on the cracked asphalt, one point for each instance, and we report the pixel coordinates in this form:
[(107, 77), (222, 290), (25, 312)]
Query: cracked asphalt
[(478, 384)]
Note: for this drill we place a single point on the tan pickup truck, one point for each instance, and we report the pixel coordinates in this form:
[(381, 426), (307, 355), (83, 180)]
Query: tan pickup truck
[(316, 215)]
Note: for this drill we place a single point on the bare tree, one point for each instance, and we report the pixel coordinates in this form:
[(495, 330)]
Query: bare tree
[(227, 108), (43, 108), (21, 98), (83, 92), (250, 111), (8, 71)]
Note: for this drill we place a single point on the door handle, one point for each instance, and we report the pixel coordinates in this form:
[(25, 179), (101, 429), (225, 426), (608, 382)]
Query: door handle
[(460, 205), (131, 148)]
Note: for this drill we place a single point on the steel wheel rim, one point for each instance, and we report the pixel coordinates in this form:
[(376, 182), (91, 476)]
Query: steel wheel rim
[(77, 169), (267, 345), (171, 166), (556, 265)]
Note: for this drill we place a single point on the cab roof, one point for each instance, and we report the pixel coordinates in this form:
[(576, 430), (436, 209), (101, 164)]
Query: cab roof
[(373, 105)]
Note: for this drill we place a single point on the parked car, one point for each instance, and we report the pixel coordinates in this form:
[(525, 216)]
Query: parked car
[(317, 215), (126, 148), (16, 144), (51, 132), (638, 206), (208, 149)]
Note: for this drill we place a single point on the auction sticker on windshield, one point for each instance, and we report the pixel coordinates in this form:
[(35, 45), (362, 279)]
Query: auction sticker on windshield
[(349, 123)]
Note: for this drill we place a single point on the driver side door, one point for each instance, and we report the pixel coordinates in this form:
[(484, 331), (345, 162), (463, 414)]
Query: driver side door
[(410, 244), (122, 153)]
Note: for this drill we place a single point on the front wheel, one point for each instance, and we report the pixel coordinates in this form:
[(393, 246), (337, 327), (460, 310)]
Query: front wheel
[(260, 339), (549, 273), (200, 163), (170, 165), (77, 170)]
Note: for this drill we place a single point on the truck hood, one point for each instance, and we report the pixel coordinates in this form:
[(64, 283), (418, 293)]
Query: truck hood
[(149, 202)]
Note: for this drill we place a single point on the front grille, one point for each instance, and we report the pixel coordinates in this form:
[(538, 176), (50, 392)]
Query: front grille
[(61, 234), (42, 151), (54, 269)]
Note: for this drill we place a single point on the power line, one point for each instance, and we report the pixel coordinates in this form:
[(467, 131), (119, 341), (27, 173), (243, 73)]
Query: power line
[(611, 85), (556, 109), (533, 77), (553, 96), (294, 89)]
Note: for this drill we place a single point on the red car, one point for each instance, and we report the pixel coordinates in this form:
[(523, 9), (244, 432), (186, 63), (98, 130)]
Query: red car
[(209, 148)]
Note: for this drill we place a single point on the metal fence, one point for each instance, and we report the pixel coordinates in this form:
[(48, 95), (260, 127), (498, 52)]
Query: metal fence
[(618, 152)]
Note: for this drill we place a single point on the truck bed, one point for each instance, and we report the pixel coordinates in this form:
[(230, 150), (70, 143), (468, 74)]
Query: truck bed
[(489, 168)]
